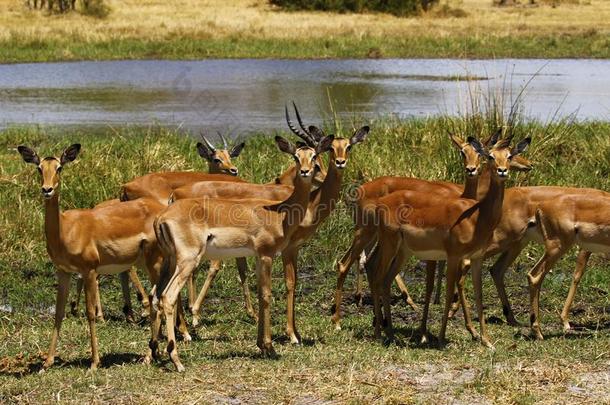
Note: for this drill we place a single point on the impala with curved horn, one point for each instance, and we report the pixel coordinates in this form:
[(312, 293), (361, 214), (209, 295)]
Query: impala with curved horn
[(194, 228)]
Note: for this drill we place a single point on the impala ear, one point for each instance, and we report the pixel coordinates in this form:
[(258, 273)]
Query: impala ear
[(457, 141), (285, 146), (70, 154), (521, 147), (359, 135), (521, 164), (237, 150), (29, 155), (203, 151), (325, 144), (474, 142)]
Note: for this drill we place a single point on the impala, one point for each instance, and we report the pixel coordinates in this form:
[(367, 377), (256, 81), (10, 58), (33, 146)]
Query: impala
[(365, 234), (453, 229), (104, 240), (191, 229)]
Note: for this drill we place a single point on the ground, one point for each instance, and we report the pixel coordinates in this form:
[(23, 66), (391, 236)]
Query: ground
[(186, 29)]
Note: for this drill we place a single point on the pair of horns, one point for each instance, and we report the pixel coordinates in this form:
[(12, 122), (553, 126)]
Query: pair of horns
[(209, 144), (311, 135)]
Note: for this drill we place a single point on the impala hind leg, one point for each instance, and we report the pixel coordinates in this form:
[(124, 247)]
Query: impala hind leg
[(215, 267), (396, 265), (127, 308), (553, 251), (63, 286), (581, 264), (141, 293), (168, 303), (498, 273), (439, 281), (242, 269), (404, 292), (91, 297), (263, 275), (75, 303), (477, 265), (355, 253)]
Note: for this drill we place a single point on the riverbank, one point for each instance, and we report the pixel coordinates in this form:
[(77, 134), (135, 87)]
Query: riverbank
[(222, 362), (182, 29)]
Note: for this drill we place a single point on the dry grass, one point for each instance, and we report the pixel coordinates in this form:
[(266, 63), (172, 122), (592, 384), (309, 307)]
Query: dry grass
[(238, 19)]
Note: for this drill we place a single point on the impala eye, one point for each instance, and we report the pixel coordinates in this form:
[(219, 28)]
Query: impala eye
[(59, 169), (463, 153), (218, 161), (39, 169), (349, 147)]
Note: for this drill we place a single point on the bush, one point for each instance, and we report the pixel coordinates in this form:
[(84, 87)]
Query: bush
[(397, 7), (95, 8)]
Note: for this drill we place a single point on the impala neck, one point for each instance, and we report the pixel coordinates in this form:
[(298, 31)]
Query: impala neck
[(323, 200), (296, 205), (52, 223), (491, 203), (471, 187)]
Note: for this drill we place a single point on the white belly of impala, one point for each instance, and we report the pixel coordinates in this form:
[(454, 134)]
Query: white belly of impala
[(213, 252)]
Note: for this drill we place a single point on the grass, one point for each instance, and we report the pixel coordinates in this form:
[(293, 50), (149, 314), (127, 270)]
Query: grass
[(185, 29), (223, 364)]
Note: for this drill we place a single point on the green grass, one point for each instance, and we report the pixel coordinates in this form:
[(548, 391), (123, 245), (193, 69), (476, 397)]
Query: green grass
[(584, 45), (349, 366)]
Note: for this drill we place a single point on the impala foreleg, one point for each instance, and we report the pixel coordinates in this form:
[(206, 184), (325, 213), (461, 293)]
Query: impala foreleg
[(453, 273), (355, 252), (477, 282), (439, 281), (430, 270), (263, 274), (289, 259), (91, 297), (581, 264), (63, 286)]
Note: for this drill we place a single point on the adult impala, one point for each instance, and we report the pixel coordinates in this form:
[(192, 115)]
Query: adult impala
[(453, 229), (191, 229), (104, 240)]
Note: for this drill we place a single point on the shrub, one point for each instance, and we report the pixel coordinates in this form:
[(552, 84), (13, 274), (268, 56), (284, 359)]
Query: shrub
[(396, 7), (95, 8)]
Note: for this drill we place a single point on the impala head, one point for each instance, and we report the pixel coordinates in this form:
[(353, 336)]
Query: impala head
[(313, 136), (470, 155), (501, 155), (50, 167), (220, 159), (305, 157)]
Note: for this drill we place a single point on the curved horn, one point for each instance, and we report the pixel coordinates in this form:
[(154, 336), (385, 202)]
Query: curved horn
[(224, 141), (304, 136), (208, 144), (299, 120)]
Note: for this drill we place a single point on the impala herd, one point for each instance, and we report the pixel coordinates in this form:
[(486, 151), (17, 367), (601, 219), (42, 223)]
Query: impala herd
[(167, 223)]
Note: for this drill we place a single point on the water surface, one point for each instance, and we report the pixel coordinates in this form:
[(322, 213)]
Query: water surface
[(249, 95)]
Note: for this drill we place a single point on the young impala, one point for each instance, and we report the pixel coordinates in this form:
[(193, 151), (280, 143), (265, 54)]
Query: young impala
[(104, 240), (191, 229)]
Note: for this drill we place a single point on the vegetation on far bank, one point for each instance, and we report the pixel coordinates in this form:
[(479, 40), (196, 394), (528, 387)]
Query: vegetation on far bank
[(185, 29), (223, 364)]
